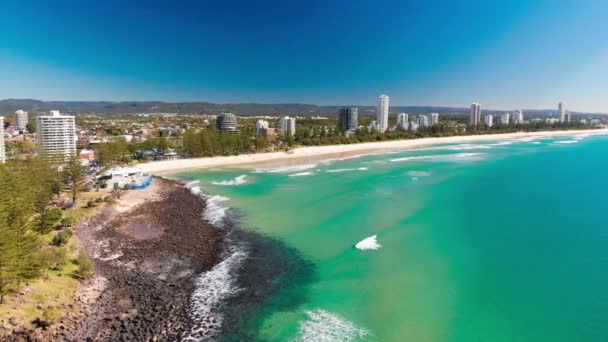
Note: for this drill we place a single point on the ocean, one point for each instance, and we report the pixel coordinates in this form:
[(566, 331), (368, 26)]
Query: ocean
[(491, 241)]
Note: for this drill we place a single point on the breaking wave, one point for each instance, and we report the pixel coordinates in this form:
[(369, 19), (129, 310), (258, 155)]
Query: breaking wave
[(419, 174), (323, 326), (566, 142), (448, 157), (308, 173), (236, 181), (369, 243), (216, 209), (469, 147), (346, 170), (287, 169)]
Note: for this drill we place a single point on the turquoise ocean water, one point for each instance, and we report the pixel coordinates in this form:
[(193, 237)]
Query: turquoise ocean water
[(492, 241)]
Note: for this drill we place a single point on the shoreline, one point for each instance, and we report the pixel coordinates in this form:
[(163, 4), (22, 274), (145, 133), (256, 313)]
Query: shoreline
[(317, 153)]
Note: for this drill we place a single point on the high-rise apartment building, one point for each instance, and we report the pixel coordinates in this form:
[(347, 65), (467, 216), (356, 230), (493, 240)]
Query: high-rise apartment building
[(261, 126), (561, 108), (348, 119), (56, 136), (288, 126), (226, 122), (2, 151), (488, 120), (475, 115), (518, 117), (504, 119), (434, 119), (423, 121), (22, 118), (382, 113), (403, 121)]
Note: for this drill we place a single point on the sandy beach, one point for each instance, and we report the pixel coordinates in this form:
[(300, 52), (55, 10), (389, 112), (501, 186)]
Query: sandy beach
[(315, 153)]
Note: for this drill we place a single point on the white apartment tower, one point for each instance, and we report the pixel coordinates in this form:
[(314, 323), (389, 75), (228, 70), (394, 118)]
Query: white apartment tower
[(382, 113), (562, 112), (288, 126), (403, 121), (475, 116), (423, 121), (488, 120), (518, 117), (434, 119), (21, 119), (260, 126), (504, 119), (2, 152), (56, 135)]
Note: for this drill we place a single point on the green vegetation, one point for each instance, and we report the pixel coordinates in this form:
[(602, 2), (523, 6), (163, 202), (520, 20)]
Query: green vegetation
[(85, 265), (73, 175)]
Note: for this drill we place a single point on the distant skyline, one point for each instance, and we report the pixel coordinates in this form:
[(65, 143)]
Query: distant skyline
[(506, 55)]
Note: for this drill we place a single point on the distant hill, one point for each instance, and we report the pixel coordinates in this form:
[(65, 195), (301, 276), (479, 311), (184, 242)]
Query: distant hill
[(9, 106)]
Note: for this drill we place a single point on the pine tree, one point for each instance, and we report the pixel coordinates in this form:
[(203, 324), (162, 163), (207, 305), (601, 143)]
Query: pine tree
[(72, 175)]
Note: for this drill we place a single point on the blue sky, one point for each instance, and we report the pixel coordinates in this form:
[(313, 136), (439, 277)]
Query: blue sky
[(505, 54)]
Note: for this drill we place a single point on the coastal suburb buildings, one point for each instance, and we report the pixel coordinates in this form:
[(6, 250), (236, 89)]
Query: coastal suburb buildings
[(348, 119), (2, 151), (434, 119), (403, 121), (261, 125), (488, 120), (564, 116), (22, 118), (382, 113), (56, 135), (288, 126), (226, 122), (475, 115)]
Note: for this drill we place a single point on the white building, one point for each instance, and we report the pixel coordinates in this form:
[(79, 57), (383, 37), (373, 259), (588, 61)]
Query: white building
[(21, 119), (561, 108), (413, 126), (551, 121), (288, 126), (56, 135), (2, 152), (434, 119), (382, 113), (403, 121), (518, 117), (373, 126), (423, 121), (260, 126), (488, 120), (475, 115), (504, 119)]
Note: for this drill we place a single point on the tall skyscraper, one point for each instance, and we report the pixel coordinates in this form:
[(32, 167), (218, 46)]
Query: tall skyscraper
[(56, 135), (226, 122), (518, 117), (288, 126), (260, 126), (348, 119), (504, 119), (562, 112), (475, 115), (434, 119), (488, 120), (2, 152), (423, 121), (382, 113), (21, 119), (403, 121)]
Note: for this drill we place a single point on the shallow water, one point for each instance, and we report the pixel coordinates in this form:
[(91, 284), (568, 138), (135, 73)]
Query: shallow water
[(494, 241)]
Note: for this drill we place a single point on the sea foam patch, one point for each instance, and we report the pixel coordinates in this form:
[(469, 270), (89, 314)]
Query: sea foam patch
[(323, 326), (346, 170), (441, 157), (566, 142), (287, 169), (369, 243), (236, 181), (301, 174), (419, 174), (215, 212)]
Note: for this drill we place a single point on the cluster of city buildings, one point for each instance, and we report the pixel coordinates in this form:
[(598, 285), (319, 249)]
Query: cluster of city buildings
[(515, 118)]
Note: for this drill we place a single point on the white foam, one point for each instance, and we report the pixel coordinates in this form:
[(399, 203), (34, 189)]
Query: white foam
[(566, 142), (215, 212), (346, 170), (536, 142), (212, 289), (457, 156), (323, 326), (286, 169), (300, 174), (419, 174), (191, 184), (468, 147), (195, 190), (236, 181), (502, 143), (369, 243)]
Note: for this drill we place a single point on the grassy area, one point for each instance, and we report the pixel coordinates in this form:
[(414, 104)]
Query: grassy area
[(49, 299)]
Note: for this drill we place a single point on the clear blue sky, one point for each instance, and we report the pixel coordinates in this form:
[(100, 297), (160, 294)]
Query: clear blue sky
[(506, 54)]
